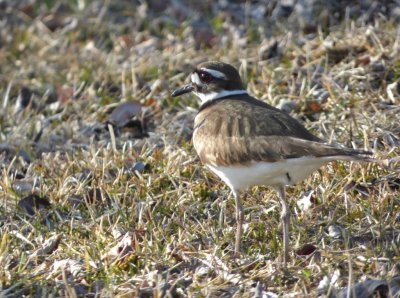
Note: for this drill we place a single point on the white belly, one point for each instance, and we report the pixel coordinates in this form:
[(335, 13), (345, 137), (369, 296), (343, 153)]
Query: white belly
[(285, 172)]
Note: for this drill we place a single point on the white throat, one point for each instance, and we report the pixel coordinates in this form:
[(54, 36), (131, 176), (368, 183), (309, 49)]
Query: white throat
[(215, 95)]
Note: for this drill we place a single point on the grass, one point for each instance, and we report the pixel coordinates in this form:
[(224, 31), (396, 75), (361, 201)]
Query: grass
[(168, 230)]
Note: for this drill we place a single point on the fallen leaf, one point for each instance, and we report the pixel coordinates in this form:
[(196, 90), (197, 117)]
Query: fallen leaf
[(96, 196), (33, 203), (313, 107), (269, 50), (306, 250), (126, 41), (121, 252), (125, 113), (24, 100), (54, 21), (202, 33), (73, 267), (363, 59), (64, 94), (370, 289), (48, 246)]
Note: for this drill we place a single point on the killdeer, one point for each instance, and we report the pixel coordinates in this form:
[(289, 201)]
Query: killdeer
[(247, 142)]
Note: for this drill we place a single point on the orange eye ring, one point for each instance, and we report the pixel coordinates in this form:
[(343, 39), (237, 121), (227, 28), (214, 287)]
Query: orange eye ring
[(205, 77)]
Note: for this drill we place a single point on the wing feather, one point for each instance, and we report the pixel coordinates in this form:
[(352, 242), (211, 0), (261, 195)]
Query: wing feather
[(240, 133)]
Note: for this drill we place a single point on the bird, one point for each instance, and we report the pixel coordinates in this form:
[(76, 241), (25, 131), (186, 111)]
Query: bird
[(247, 142)]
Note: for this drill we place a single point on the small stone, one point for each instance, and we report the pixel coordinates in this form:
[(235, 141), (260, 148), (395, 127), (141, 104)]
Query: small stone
[(23, 187), (337, 232), (125, 113), (139, 166), (286, 105), (306, 202)]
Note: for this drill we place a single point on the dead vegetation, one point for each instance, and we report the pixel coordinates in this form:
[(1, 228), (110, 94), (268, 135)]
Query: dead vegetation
[(102, 200)]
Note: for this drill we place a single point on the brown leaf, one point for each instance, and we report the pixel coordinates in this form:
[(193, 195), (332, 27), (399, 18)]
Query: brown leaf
[(27, 8), (306, 250), (96, 196), (33, 203), (24, 100), (64, 94), (371, 288), (313, 107), (202, 34), (363, 59), (54, 21), (269, 50), (125, 113), (126, 41)]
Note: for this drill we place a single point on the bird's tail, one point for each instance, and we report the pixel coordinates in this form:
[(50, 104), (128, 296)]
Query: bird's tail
[(358, 155)]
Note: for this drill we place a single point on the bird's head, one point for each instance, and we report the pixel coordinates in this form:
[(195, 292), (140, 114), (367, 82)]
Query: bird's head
[(213, 80)]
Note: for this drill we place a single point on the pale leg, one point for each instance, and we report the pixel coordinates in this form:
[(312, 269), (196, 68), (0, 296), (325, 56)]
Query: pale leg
[(285, 218), (239, 221)]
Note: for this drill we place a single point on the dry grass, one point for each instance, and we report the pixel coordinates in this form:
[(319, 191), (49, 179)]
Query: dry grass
[(167, 230)]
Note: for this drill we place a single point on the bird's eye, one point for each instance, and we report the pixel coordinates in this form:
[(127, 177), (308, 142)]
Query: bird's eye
[(205, 77)]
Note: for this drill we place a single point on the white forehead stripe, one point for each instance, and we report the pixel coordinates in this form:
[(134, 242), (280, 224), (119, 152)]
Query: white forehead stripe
[(215, 73), (195, 79)]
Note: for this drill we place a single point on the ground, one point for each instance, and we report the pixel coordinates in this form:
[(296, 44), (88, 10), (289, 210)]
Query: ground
[(102, 192)]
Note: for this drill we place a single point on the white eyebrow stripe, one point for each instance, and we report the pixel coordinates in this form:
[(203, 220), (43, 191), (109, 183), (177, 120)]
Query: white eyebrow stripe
[(215, 73), (195, 79)]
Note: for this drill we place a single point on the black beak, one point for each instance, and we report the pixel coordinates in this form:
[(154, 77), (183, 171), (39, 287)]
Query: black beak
[(185, 89)]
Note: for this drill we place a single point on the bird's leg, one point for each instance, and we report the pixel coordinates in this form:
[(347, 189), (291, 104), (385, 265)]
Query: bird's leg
[(285, 217), (239, 221)]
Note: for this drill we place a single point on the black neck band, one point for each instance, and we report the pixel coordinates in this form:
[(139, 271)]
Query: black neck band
[(229, 96)]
